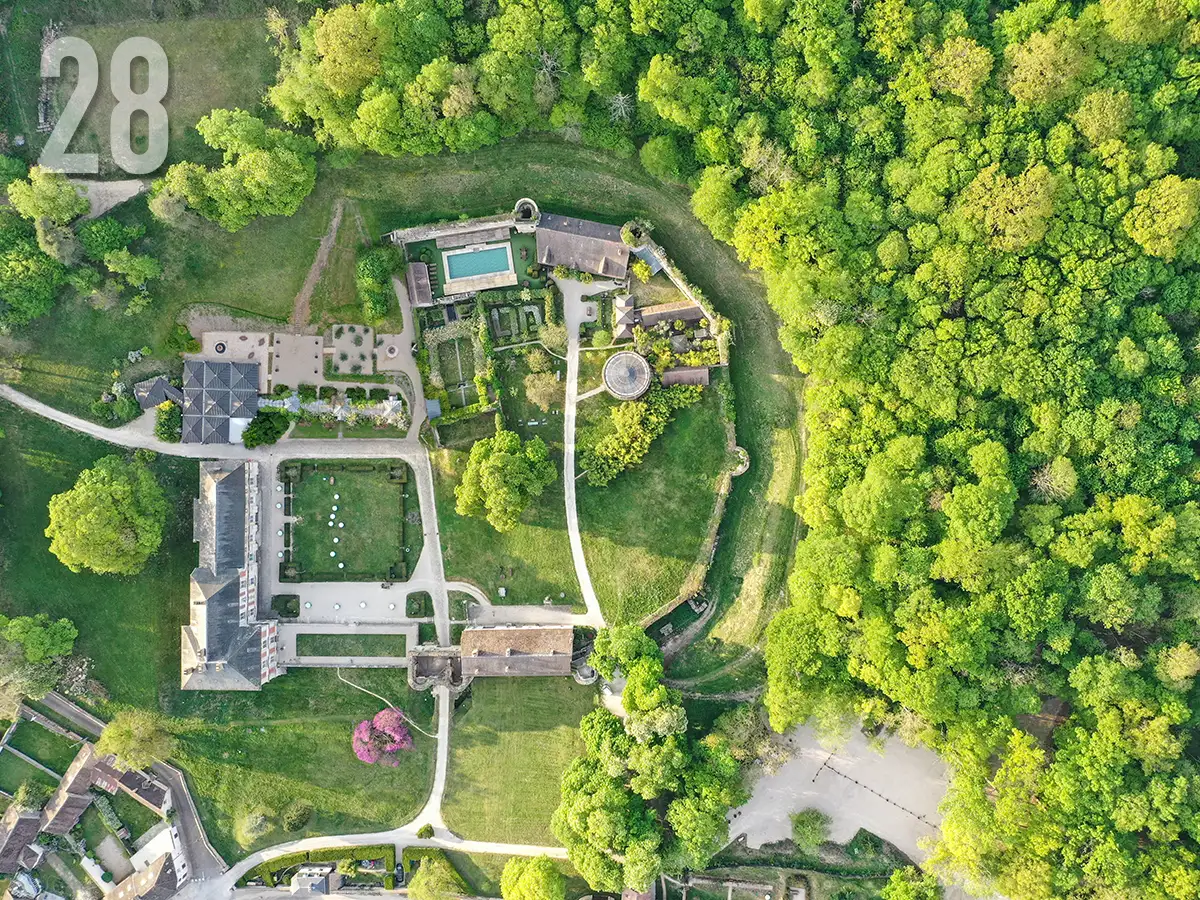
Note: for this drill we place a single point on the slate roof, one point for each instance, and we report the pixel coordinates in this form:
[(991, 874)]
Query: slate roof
[(583, 245), (417, 279), (219, 516), (627, 375), (517, 650), (219, 652), (648, 256), (213, 393), (153, 391), (157, 881), (18, 829)]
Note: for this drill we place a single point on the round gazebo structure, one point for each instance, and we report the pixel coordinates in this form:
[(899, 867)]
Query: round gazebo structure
[(627, 375)]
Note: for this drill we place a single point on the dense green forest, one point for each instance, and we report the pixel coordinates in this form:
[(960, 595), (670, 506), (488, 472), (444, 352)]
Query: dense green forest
[(978, 225)]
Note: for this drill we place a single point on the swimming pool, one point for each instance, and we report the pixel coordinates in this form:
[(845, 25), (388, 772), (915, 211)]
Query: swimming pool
[(487, 261)]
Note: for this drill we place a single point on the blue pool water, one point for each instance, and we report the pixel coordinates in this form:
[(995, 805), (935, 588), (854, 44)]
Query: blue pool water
[(479, 262)]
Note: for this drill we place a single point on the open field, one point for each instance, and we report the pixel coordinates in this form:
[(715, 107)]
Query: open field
[(641, 533), (507, 756), (257, 751), (213, 63), (349, 645), (371, 509), (533, 561), (51, 750), (462, 434)]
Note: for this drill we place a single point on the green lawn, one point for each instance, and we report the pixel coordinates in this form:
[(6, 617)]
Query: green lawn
[(242, 752), (315, 430), (642, 533), (93, 828), (508, 751), (532, 562), (372, 510), (456, 361), (462, 434), (14, 771), (48, 748), (213, 63), (350, 645), (591, 369), (137, 818), (481, 872), (519, 411)]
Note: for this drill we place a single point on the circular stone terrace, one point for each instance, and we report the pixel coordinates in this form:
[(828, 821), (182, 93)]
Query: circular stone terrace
[(627, 375)]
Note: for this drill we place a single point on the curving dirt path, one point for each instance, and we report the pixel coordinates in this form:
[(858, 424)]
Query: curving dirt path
[(300, 307)]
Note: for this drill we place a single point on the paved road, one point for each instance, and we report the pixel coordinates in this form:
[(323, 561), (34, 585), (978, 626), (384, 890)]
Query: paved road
[(408, 365), (575, 313), (204, 860)]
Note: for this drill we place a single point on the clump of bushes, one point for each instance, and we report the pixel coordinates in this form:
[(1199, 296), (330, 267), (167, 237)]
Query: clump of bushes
[(372, 276), (265, 428), (168, 422)]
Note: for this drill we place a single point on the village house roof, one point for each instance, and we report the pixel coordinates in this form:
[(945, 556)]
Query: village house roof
[(215, 392), (685, 310), (153, 391), (517, 650), (648, 256), (18, 829), (685, 375), (73, 795), (158, 881), (582, 245)]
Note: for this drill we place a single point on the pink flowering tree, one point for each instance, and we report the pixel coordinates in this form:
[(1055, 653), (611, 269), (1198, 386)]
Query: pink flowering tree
[(382, 738)]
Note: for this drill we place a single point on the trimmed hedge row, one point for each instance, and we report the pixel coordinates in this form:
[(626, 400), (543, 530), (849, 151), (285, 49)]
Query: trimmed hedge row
[(387, 852)]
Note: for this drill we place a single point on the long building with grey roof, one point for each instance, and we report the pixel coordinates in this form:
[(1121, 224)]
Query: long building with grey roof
[(224, 646), (582, 245)]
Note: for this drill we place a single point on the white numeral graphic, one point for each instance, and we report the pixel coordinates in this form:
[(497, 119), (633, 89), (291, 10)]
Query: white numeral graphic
[(149, 103), (55, 155)]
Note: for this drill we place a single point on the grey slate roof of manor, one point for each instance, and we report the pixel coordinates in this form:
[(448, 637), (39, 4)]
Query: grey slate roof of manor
[(153, 391), (582, 245), (213, 393), (218, 652)]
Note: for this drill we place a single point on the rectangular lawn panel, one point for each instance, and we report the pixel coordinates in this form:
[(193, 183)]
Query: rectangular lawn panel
[(369, 505), (642, 532), (50, 749), (532, 561), (507, 755), (350, 645), (137, 818), (481, 872), (14, 771)]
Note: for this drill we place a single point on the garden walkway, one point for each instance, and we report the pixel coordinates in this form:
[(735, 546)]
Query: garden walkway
[(407, 364), (575, 312)]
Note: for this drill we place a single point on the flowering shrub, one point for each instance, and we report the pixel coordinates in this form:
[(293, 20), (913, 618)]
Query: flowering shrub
[(380, 739)]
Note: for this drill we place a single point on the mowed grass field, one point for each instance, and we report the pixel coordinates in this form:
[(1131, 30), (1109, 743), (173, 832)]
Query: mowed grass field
[(244, 753), (508, 751), (642, 532), (532, 562), (211, 63), (369, 506)]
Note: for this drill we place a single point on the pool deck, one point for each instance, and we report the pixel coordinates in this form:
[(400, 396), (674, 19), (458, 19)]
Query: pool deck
[(482, 282)]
